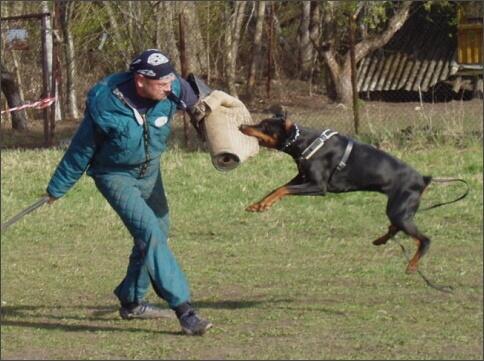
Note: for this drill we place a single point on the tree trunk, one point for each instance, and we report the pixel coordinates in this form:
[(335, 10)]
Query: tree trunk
[(166, 31), (116, 33), (70, 59), (196, 51), (339, 65), (305, 49), (49, 47), (11, 92), (232, 39), (342, 87), (256, 48)]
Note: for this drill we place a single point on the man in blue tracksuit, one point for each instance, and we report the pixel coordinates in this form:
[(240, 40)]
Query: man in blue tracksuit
[(119, 144)]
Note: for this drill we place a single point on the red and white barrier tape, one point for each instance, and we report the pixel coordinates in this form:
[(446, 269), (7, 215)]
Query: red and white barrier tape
[(43, 103)]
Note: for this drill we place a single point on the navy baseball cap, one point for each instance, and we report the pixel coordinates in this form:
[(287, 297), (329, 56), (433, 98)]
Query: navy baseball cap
[(153, 64)]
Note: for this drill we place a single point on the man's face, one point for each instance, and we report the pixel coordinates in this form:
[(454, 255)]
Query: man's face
[(153, 89)]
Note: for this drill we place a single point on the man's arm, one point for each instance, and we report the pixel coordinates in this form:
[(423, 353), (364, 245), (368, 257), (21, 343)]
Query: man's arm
[(193, 92), (188, 95), (75, 161)]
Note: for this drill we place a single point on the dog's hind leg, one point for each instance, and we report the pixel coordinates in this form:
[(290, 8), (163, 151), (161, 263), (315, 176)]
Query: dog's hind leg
[(400, 211), (392, 230), (423, 244)]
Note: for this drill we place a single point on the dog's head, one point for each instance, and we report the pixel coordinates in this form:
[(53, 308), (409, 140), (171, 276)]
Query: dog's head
[(271, 132)]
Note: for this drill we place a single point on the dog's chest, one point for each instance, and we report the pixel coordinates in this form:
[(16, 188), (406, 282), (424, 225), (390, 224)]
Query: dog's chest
[(307, 167)]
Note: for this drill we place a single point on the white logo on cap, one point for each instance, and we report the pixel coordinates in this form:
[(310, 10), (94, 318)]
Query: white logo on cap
[(157, 59), (159, 122), (147, 72)]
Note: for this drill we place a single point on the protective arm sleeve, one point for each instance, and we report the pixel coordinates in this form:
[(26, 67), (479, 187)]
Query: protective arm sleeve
[(75, 161), (188, 95), (198, 111)]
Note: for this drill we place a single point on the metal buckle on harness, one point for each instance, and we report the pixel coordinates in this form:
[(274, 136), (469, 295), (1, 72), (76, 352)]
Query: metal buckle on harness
[(317, 143), (342, 163)]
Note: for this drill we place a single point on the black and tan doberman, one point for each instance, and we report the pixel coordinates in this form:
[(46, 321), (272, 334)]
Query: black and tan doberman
[(329, 162)]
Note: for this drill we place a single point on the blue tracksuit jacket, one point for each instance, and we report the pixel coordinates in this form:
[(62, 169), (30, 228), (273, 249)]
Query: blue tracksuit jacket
[(121, 151)]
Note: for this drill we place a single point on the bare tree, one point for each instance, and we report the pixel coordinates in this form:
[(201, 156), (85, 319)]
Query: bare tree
[(12, 87), (167, 29), (328, 35), (12, 94), (234, 15), (119, 32), (305, 48), (49, 46), (196, 51), (254, 66), (65, 8)]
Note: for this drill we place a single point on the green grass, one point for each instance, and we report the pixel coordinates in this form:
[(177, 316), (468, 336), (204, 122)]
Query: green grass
[(302, 281)]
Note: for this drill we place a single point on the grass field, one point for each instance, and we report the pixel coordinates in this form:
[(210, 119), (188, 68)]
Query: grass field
[(302, 281)]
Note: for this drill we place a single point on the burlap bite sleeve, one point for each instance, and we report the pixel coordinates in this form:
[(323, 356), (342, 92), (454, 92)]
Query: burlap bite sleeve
[(227, 145)]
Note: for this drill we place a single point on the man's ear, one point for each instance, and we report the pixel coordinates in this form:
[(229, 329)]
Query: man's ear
[(138, 80)]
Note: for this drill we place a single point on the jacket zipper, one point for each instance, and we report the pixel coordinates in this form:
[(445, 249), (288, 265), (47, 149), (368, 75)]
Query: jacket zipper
[(146, 139)]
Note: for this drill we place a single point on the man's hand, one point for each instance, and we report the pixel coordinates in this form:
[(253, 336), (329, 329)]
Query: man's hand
[(197, 114), (198, 111), (51, 198)]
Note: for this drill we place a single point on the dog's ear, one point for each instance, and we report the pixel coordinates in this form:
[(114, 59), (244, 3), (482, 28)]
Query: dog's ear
[(288, 125), (278, 111)]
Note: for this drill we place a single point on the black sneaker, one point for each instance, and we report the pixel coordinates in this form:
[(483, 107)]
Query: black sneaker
[(144, 310), (193, 325)]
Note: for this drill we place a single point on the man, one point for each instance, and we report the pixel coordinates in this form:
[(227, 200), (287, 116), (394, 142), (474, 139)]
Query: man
[(119, 144)]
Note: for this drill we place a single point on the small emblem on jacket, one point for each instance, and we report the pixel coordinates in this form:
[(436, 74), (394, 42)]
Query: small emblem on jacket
[(161, 121)]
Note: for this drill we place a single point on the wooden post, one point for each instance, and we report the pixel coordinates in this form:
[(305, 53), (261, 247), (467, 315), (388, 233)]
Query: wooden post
[(356, 113), (184, 68), (269, 49)]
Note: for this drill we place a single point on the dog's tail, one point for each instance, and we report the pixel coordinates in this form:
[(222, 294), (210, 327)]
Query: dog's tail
[(427, 180)]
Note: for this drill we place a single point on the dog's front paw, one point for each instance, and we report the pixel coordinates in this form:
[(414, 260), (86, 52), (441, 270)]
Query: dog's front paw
[(257, 207), (380, 241)]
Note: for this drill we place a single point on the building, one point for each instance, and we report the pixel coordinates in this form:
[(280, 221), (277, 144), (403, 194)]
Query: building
[(431, 58)]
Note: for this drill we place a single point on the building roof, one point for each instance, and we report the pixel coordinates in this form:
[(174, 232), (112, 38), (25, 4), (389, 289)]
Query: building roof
[(421, 54)]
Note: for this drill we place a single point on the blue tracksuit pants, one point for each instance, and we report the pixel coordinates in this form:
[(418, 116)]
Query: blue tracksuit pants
[(142, 205)]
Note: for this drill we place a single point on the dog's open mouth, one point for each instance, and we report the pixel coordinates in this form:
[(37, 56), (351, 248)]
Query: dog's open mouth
[(263, 139), (260, 140), (265, 142)]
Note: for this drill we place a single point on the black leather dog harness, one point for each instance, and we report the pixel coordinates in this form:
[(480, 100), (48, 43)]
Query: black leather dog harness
[(319, 142), (348, 149)]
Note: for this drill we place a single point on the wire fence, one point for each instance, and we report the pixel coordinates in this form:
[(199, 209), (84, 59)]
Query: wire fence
[(456, 117), (444, 107)]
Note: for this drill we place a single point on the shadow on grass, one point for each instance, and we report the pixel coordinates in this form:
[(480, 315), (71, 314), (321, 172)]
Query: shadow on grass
[(61, 316), (272, 303)]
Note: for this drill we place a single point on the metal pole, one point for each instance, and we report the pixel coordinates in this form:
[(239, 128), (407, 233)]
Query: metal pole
[(184, 66), (26, 211)]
